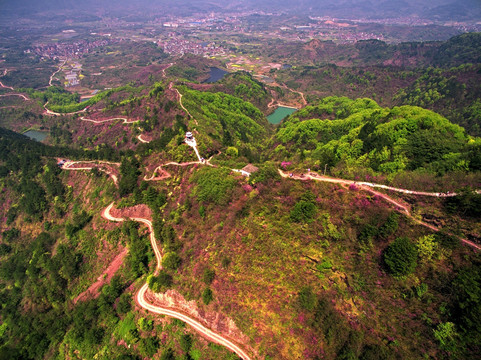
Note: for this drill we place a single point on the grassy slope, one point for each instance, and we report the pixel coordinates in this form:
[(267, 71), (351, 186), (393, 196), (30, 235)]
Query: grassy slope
[(262, 260)]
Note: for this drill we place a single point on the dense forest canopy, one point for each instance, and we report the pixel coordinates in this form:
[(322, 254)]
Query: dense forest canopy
[(361, 133)]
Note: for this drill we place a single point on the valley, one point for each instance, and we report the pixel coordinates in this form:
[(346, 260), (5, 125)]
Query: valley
[(221, 181)]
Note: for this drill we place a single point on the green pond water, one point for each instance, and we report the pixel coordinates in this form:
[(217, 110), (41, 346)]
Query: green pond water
[(280, 113), (36, 135)]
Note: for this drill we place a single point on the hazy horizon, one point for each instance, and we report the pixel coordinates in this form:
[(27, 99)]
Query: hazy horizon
[(441, 10)]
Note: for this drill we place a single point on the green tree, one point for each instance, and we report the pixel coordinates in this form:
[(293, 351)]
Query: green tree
[(214, 185), (401, 257), (390, 226), (207, 296), (232, 151), (171, 261), (145, 324), (446, 334), (427, 248), (148, 346), (307, 299), (303, 211), (185, 342), (167, 354), (161, 282), (466, 288), (208, 276), (124, 304)]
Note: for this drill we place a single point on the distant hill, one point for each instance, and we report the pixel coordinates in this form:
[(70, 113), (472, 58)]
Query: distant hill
[(443, 10), (460, 49)]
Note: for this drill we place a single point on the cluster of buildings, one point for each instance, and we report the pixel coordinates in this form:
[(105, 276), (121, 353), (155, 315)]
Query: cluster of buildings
[(176, 46), (327, 30), (72, 73), (70, 50), (351, 37)]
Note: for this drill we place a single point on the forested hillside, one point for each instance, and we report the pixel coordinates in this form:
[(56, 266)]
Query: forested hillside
[(359, 133), (351, 230)]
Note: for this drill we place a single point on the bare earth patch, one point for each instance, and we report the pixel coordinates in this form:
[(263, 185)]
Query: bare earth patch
[(216, 321), (137, 211), (104, 278)]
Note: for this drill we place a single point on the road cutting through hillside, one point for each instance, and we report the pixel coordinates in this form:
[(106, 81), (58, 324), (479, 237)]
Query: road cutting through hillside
[(180, 102), (163, 70), (368, 187), (15, 94), (68, 166), (139, 137), (142, 301), (125, 120), (50, 112), (55, 73), (141, 297), (2, 84)]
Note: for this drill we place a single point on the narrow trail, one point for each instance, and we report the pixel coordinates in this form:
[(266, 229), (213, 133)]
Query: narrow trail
[(68, 166), (5, 86), (274, 103), (193, 144), (163, 70), (180, 102), (125, 120), (271, 104), (142, 298), (296, 92), (15, 94), (50, 112), (2, 84), (398, 206), (103, 278), (56, 72), (166, 175), (83, 118), (139, 137)]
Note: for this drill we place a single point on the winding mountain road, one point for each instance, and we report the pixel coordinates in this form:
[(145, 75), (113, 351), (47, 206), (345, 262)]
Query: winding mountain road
[(180, 102), (2, 84), (56, 72), (399, 207), (50, 112), (142, 298), (15, 94), (139, 137), (125, 120), (163, 70), (158, 254), (68, 166)]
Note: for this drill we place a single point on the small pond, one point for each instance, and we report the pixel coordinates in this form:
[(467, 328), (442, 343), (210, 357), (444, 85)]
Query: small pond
[(36, 135), (280, 113), (215, 75)]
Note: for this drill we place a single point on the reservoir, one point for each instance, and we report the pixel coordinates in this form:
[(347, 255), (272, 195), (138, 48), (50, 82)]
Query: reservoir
[(280, 113), (36, 135), (215, 75)]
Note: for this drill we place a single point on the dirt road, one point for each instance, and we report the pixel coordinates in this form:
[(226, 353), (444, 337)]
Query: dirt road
[(368, 187), (20, 95), (142, 298), (90, 165)]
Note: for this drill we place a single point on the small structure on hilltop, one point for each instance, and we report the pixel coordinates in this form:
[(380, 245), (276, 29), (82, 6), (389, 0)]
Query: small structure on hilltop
[(248, 170), (189, 136)]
